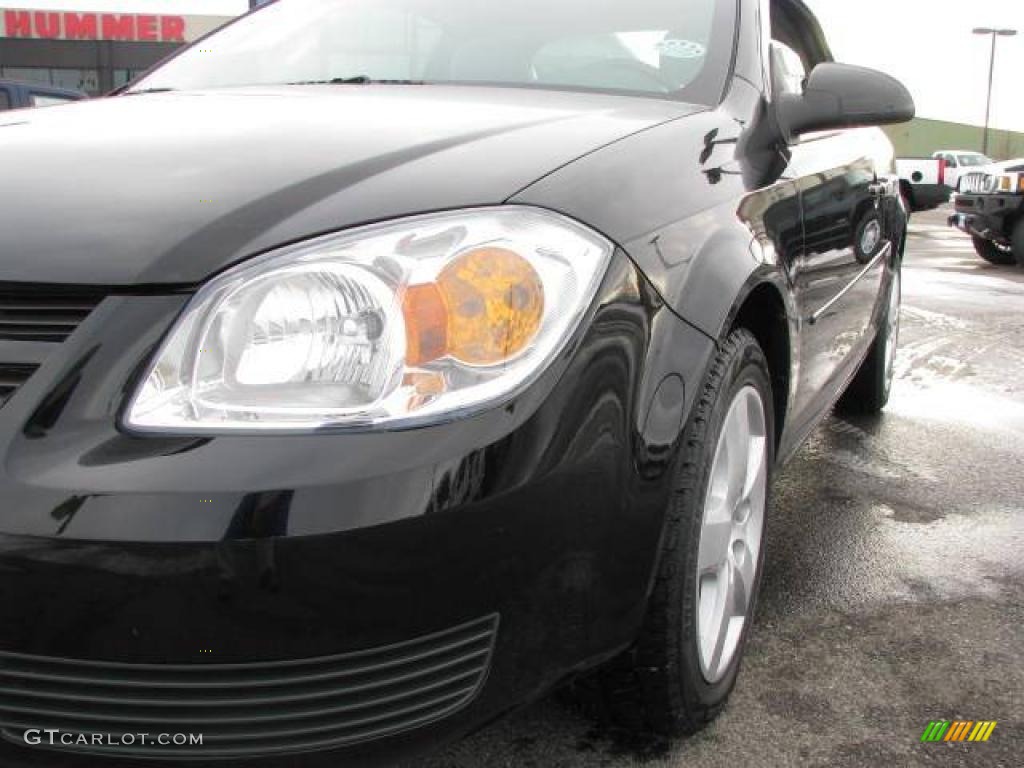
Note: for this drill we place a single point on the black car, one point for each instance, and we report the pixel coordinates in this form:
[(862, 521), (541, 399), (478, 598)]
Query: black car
[(370, 368), (990, 208), (19, 95)]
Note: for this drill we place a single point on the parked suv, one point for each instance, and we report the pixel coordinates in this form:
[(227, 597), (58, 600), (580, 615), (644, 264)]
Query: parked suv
[(18, 95), (990, 208), (397, 362)]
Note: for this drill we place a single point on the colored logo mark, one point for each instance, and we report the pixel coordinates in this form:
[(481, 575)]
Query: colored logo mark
[(958, 730)]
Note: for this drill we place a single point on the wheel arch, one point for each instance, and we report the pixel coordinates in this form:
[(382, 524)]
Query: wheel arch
[(762, 309)]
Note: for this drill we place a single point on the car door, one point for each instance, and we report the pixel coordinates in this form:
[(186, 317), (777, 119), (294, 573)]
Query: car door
[(838, 271)]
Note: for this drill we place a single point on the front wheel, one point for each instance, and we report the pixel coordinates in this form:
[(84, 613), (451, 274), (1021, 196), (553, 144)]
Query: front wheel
[(991, 252), (684, 664), (868, 393)]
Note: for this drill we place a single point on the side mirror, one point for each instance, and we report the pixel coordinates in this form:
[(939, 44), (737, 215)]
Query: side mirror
[(843, 96)]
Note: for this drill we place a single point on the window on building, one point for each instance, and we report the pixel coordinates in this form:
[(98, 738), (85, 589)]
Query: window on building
[(124, 76), (27, 74), (48, 100), (87, 80)]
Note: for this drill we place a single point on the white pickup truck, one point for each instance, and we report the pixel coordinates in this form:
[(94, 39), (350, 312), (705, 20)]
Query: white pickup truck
[(959, 163), (924, 184)]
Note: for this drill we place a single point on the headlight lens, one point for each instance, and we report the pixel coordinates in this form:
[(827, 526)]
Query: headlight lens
[(391, 325)]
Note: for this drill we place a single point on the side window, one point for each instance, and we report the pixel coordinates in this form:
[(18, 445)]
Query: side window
[(5, 99), (950, 160), (788, 72)]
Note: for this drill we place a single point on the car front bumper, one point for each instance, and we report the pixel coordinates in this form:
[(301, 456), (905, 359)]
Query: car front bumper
[(379, 592), (987, 216)]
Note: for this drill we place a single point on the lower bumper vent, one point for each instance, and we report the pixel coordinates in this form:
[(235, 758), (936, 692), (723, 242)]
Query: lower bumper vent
[(244, 710)]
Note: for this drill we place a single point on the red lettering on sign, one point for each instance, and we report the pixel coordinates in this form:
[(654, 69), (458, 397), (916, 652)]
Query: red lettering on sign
[(48, 25), (18, 23), (145, 28), (118, 27), (172, 29), (52, 25), (80, 26)]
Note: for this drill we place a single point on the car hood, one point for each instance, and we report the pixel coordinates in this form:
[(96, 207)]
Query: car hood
[(1007, 166), (169, 188)]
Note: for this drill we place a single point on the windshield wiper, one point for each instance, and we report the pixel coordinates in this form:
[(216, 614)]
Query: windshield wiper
[(358, 80)]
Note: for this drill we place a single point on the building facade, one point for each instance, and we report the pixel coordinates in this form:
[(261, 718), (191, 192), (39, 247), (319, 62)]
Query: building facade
[(921, 137), (91, 52)]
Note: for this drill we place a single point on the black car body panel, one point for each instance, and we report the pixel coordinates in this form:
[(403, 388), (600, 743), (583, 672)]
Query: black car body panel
[(350, 155), (544, 515), (283, 551), (730, 233)]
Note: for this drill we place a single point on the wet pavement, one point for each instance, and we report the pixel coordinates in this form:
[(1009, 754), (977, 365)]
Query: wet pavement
[(894, 583)]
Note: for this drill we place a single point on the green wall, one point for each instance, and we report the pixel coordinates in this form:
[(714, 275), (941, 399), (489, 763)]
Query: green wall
[(921, 137)]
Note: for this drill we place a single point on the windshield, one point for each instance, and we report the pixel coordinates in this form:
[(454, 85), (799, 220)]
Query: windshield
[(678, 48), (973, 161)]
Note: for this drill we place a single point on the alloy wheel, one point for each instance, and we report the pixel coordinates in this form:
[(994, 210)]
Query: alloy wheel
[(730, 534)]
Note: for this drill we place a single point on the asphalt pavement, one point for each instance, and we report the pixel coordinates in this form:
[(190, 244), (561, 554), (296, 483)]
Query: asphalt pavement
[(894, 584)]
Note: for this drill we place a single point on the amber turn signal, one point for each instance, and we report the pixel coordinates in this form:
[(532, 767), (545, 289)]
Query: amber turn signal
[(484, 308)]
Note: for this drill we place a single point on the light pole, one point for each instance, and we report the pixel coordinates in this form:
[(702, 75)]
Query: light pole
[(991, 72)]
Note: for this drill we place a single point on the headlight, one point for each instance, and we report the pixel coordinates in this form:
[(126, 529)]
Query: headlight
[(391, 325), (1013, 183)]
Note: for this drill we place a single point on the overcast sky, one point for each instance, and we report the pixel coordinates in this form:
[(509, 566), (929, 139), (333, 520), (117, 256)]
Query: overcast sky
[(926, 43), (930, 48)]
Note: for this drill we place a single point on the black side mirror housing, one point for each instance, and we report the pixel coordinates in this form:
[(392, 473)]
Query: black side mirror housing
[(843, 96)]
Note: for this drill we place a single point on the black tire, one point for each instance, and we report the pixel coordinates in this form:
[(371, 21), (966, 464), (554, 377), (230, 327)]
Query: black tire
[(992, 253), (1018, 242), (868, 392), (657, 687)]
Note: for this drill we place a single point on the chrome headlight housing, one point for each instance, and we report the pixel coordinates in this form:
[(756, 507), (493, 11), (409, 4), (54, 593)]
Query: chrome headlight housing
[(390, 326)]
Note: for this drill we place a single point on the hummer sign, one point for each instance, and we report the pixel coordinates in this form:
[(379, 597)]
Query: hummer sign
[(127, 27)]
